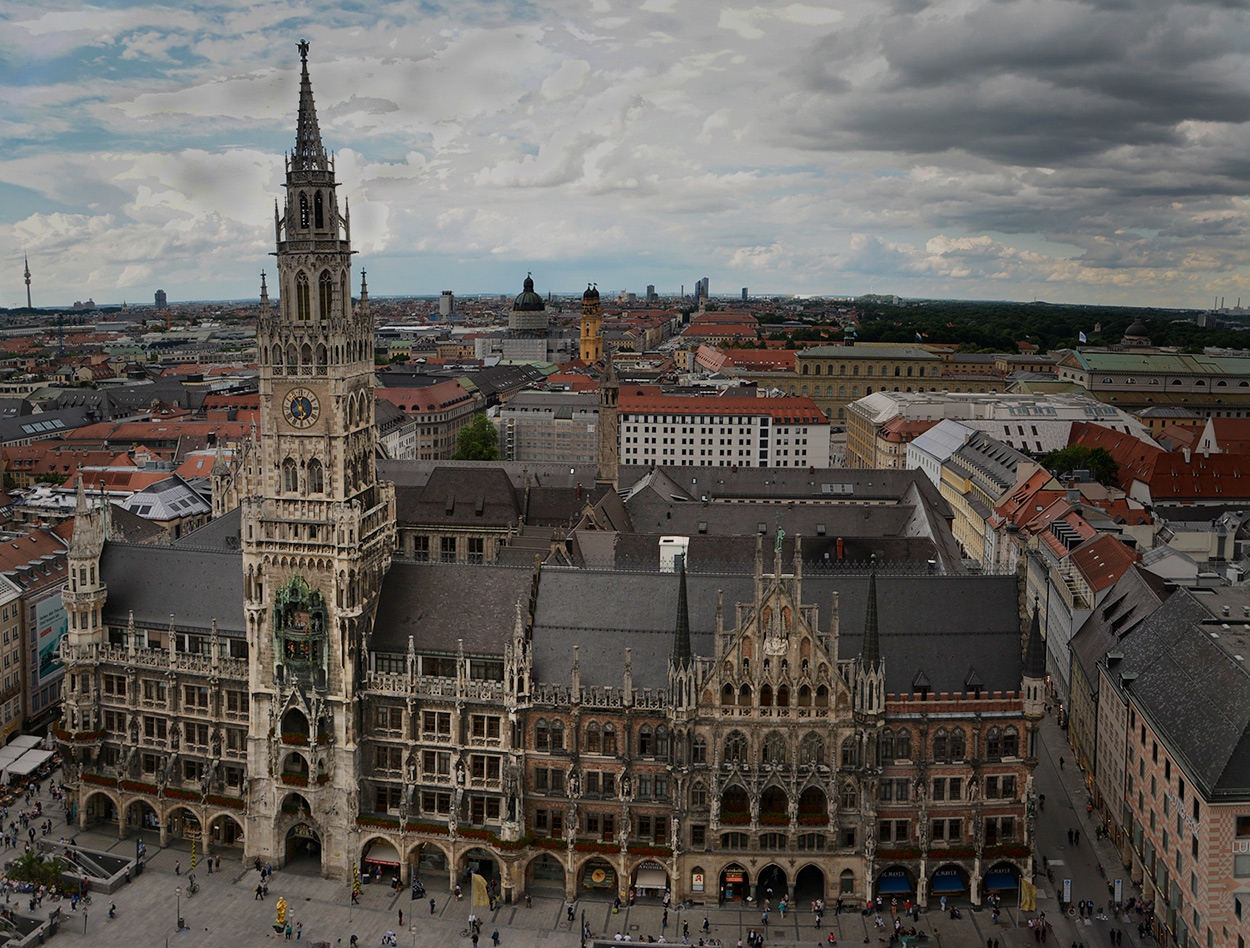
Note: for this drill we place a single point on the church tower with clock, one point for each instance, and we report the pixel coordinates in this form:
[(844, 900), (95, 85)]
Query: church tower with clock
[(317, 526)]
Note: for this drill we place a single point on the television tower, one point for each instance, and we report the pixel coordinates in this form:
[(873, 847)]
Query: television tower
[(26, 261)]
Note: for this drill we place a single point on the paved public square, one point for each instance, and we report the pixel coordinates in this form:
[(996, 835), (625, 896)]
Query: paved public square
[(226, 912)]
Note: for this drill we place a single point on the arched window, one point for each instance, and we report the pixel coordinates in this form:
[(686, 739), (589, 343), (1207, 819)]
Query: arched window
[(661, 743), (290, 476), (698, 751), (735, 747), (822, 696), (850, 798), (318, 215), (775, 749), (842, 369), (994, 743), (303, 210), (812, 751), (698, 796), (316, 482), (958, 751), (886, 745), (557, 735), (1011, 742), (542, 735), (766, 695), (593, 744), (727, 694), (941, 745), (609, 738), (325, 291), (868, 370), (303, 309), (805, 694), (898, 370), (804, 368), (850, 752), (646, 740), (902, 745), (744, 695)]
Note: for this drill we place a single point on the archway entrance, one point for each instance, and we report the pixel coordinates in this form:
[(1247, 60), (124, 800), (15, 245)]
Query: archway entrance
[(598, 876), (809, 884), (770, 885), (650, 880), (481, 862), (429, 864), (379, 858), (100, 807), (895, 881), (303, 847), (1002, 877), (140, 817), (226, 831), (949, 880), (545, 874), (183, 824), (734, 883)]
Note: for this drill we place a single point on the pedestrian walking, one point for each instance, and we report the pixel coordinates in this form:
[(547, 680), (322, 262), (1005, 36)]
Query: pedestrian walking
[(299, 930), (1069, 837), (401, 918), (1061, 763), (178, 867), (431, 906), (494, 937)]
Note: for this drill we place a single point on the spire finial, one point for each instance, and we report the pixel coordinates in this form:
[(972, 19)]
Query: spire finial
[(871, 651), (682, 652), (1035, 652), (309, 153)]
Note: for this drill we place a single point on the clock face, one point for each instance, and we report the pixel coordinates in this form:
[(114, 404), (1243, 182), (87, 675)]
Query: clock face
[(302, 407)]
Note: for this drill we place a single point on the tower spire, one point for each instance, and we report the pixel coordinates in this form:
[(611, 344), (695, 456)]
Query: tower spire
[(309, 153), (1035, 652), (26, 274), (871, 650), (681, 640)]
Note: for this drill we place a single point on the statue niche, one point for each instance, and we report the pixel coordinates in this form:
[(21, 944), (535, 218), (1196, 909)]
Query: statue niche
[(300, 624)]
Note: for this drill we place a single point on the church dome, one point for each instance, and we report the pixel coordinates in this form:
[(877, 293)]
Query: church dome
[(528, 301), (1136, 334), (590, 294)]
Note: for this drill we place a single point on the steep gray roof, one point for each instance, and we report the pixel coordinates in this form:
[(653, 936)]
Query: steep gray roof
[(466, 497), (1193, 691), (439, 603), (196, 586), (1127, 604), (939, 625)]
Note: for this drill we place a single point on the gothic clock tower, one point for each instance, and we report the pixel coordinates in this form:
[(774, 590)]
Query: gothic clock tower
[(318, 529)]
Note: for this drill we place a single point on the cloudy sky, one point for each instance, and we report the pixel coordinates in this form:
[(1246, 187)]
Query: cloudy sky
[(1090, 151)]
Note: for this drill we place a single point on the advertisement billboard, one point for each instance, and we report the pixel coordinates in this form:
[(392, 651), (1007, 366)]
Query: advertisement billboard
[(50, 624)]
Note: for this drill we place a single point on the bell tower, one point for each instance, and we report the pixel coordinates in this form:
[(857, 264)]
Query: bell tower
[(318, 528)]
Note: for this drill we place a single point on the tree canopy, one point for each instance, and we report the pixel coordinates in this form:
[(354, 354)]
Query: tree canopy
[(1076, 457), (477, 441)]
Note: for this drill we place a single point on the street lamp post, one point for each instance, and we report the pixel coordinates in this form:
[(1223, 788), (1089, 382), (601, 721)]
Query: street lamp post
[(178, 896)]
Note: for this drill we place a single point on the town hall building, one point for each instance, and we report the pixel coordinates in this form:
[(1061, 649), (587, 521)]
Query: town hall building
[(282, 684)]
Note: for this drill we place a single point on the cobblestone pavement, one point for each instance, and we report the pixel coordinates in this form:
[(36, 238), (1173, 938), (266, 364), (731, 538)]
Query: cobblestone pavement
[(226, 913)]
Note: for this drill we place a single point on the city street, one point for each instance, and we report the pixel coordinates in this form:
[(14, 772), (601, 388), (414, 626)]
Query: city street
[(226, 912)]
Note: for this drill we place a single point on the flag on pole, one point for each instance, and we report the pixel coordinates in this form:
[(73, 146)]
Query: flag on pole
[(192, 854), (918, 337), (1028, 896), (1081, 336), (480, 895)]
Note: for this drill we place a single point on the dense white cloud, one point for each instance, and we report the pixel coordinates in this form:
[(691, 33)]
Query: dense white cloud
[(1070, 149)]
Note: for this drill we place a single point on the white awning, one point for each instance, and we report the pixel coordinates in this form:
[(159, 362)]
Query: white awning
[(28, 763), (25, 741), (652, 879)]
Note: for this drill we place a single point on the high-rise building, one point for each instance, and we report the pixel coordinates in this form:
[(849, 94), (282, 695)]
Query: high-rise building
[(651, 292), (704, 289), (162, 301), (446, 303), (744, 294)]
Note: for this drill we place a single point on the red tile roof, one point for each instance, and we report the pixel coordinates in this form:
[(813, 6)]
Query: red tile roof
[(1103, 560)]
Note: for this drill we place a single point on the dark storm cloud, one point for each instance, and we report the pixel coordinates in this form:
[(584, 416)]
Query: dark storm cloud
[(1028, 83)]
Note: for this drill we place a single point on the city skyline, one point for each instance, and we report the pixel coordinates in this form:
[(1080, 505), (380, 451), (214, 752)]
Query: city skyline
[(1052, 150)]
